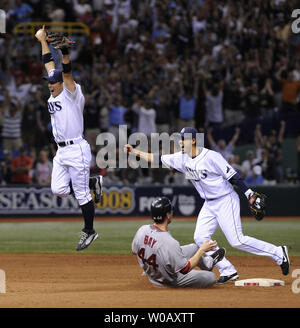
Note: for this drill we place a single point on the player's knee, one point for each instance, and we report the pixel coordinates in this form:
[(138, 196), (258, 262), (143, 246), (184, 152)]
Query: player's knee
[(61, 192), (235, 243), (199, 240), (210, 279)]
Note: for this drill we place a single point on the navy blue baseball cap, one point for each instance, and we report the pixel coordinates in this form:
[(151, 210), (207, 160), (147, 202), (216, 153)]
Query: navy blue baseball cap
[(192, 131), (54, 76)]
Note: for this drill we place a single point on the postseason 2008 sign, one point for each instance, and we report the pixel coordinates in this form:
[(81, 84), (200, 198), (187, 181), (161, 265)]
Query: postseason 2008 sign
[(117, 201)]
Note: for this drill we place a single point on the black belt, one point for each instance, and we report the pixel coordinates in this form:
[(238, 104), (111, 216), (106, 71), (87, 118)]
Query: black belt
[(63, 143)]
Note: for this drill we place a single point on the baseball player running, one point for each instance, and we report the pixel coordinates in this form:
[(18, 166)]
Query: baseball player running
[(71, 165), (164, 261), (214, 178)]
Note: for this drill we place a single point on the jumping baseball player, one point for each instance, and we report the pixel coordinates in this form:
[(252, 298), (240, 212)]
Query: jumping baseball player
[(71, 165), (214, 178), (164, 261)]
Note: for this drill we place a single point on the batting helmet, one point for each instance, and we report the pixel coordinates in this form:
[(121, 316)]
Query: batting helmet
[(159, 208)]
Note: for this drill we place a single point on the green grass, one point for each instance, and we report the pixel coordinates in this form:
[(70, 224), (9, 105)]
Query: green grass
[(116, 236)]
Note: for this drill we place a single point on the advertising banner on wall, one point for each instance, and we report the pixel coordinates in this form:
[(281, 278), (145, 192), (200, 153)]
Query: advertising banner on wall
[(117, 201)]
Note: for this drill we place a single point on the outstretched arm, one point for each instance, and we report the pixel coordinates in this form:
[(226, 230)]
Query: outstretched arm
[(235, 136), (210, 138), (46, 53), (149, 157), (67, 70)]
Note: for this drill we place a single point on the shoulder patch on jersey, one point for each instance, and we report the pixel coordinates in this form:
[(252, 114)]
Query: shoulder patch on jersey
[(227, 169)]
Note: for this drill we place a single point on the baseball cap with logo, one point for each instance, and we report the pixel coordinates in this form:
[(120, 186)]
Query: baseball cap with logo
[(191, 131), (55, 76)]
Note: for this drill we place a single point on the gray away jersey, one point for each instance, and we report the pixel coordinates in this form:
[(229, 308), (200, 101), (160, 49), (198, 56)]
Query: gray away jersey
[(66, 111), (159, 254), (209, 172)]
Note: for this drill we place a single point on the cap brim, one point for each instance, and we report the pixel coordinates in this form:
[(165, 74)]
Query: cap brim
[(187, 135), (48, 78)]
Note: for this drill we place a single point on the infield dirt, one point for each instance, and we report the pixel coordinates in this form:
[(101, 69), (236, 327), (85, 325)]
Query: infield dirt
[(115, 281)]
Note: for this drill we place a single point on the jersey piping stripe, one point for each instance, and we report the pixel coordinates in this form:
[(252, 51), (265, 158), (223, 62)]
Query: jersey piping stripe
[(231, 175), (85, 182), (158, 228), (186, 269), (200, 179), (238, 234)]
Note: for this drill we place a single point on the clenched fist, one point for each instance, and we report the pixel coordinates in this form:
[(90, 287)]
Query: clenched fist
[(128, 149), (41, 34)]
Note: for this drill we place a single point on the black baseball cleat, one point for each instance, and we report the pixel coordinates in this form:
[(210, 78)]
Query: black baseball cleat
[(86, 238), (285, 265), (218, 256), (95, 185), (225, 279)]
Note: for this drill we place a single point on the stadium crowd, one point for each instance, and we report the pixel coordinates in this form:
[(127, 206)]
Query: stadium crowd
[(229, 68)]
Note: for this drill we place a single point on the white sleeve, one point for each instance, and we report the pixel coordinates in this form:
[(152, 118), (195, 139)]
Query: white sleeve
[(222, 166), (173, 161), (73, 95)]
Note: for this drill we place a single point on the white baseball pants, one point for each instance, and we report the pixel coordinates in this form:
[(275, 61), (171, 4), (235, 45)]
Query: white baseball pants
[(225, 212), (72, 163)]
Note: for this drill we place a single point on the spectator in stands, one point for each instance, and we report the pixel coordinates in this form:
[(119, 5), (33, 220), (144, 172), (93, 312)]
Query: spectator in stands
[(56, 13), (213, 103), (233, 97), (91, 120), (234, 161), (116, 117), (131, 176), (82, 8), (255, 178), (31, 117), (6, 167), (249, 163), (43, 169), (175, 178), (11, 109), (187, 105), (111, 179), (163, 120), (268, 165), (267, 103), (20, 168), (252, 99), (290, 90), (146, 116), (22, 11), (221, 147)]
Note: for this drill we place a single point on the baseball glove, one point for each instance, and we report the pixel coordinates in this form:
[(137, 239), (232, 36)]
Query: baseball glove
[(58, 40), (257, 205)]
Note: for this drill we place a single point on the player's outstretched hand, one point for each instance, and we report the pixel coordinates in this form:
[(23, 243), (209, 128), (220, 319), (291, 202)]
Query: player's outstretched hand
[(128, 149), (209, 245), (41, 34)]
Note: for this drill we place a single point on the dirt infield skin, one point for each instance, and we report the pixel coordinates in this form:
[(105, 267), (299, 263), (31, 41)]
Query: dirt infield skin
[(115, 281)]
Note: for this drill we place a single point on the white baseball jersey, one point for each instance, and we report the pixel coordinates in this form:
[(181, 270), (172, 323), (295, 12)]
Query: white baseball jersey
[(209, 172), (66, 111), (159, 254)]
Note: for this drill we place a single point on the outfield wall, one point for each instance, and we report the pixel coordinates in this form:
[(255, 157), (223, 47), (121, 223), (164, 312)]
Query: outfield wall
[(282, 200)]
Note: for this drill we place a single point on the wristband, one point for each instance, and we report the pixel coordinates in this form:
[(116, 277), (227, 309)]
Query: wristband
[(249, 193), (64, 51), (47, 58), (67, 68)]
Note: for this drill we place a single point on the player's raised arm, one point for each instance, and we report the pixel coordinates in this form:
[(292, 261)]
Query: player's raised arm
[(149, 157), (46, 53), (67, 70), (59, 41)]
